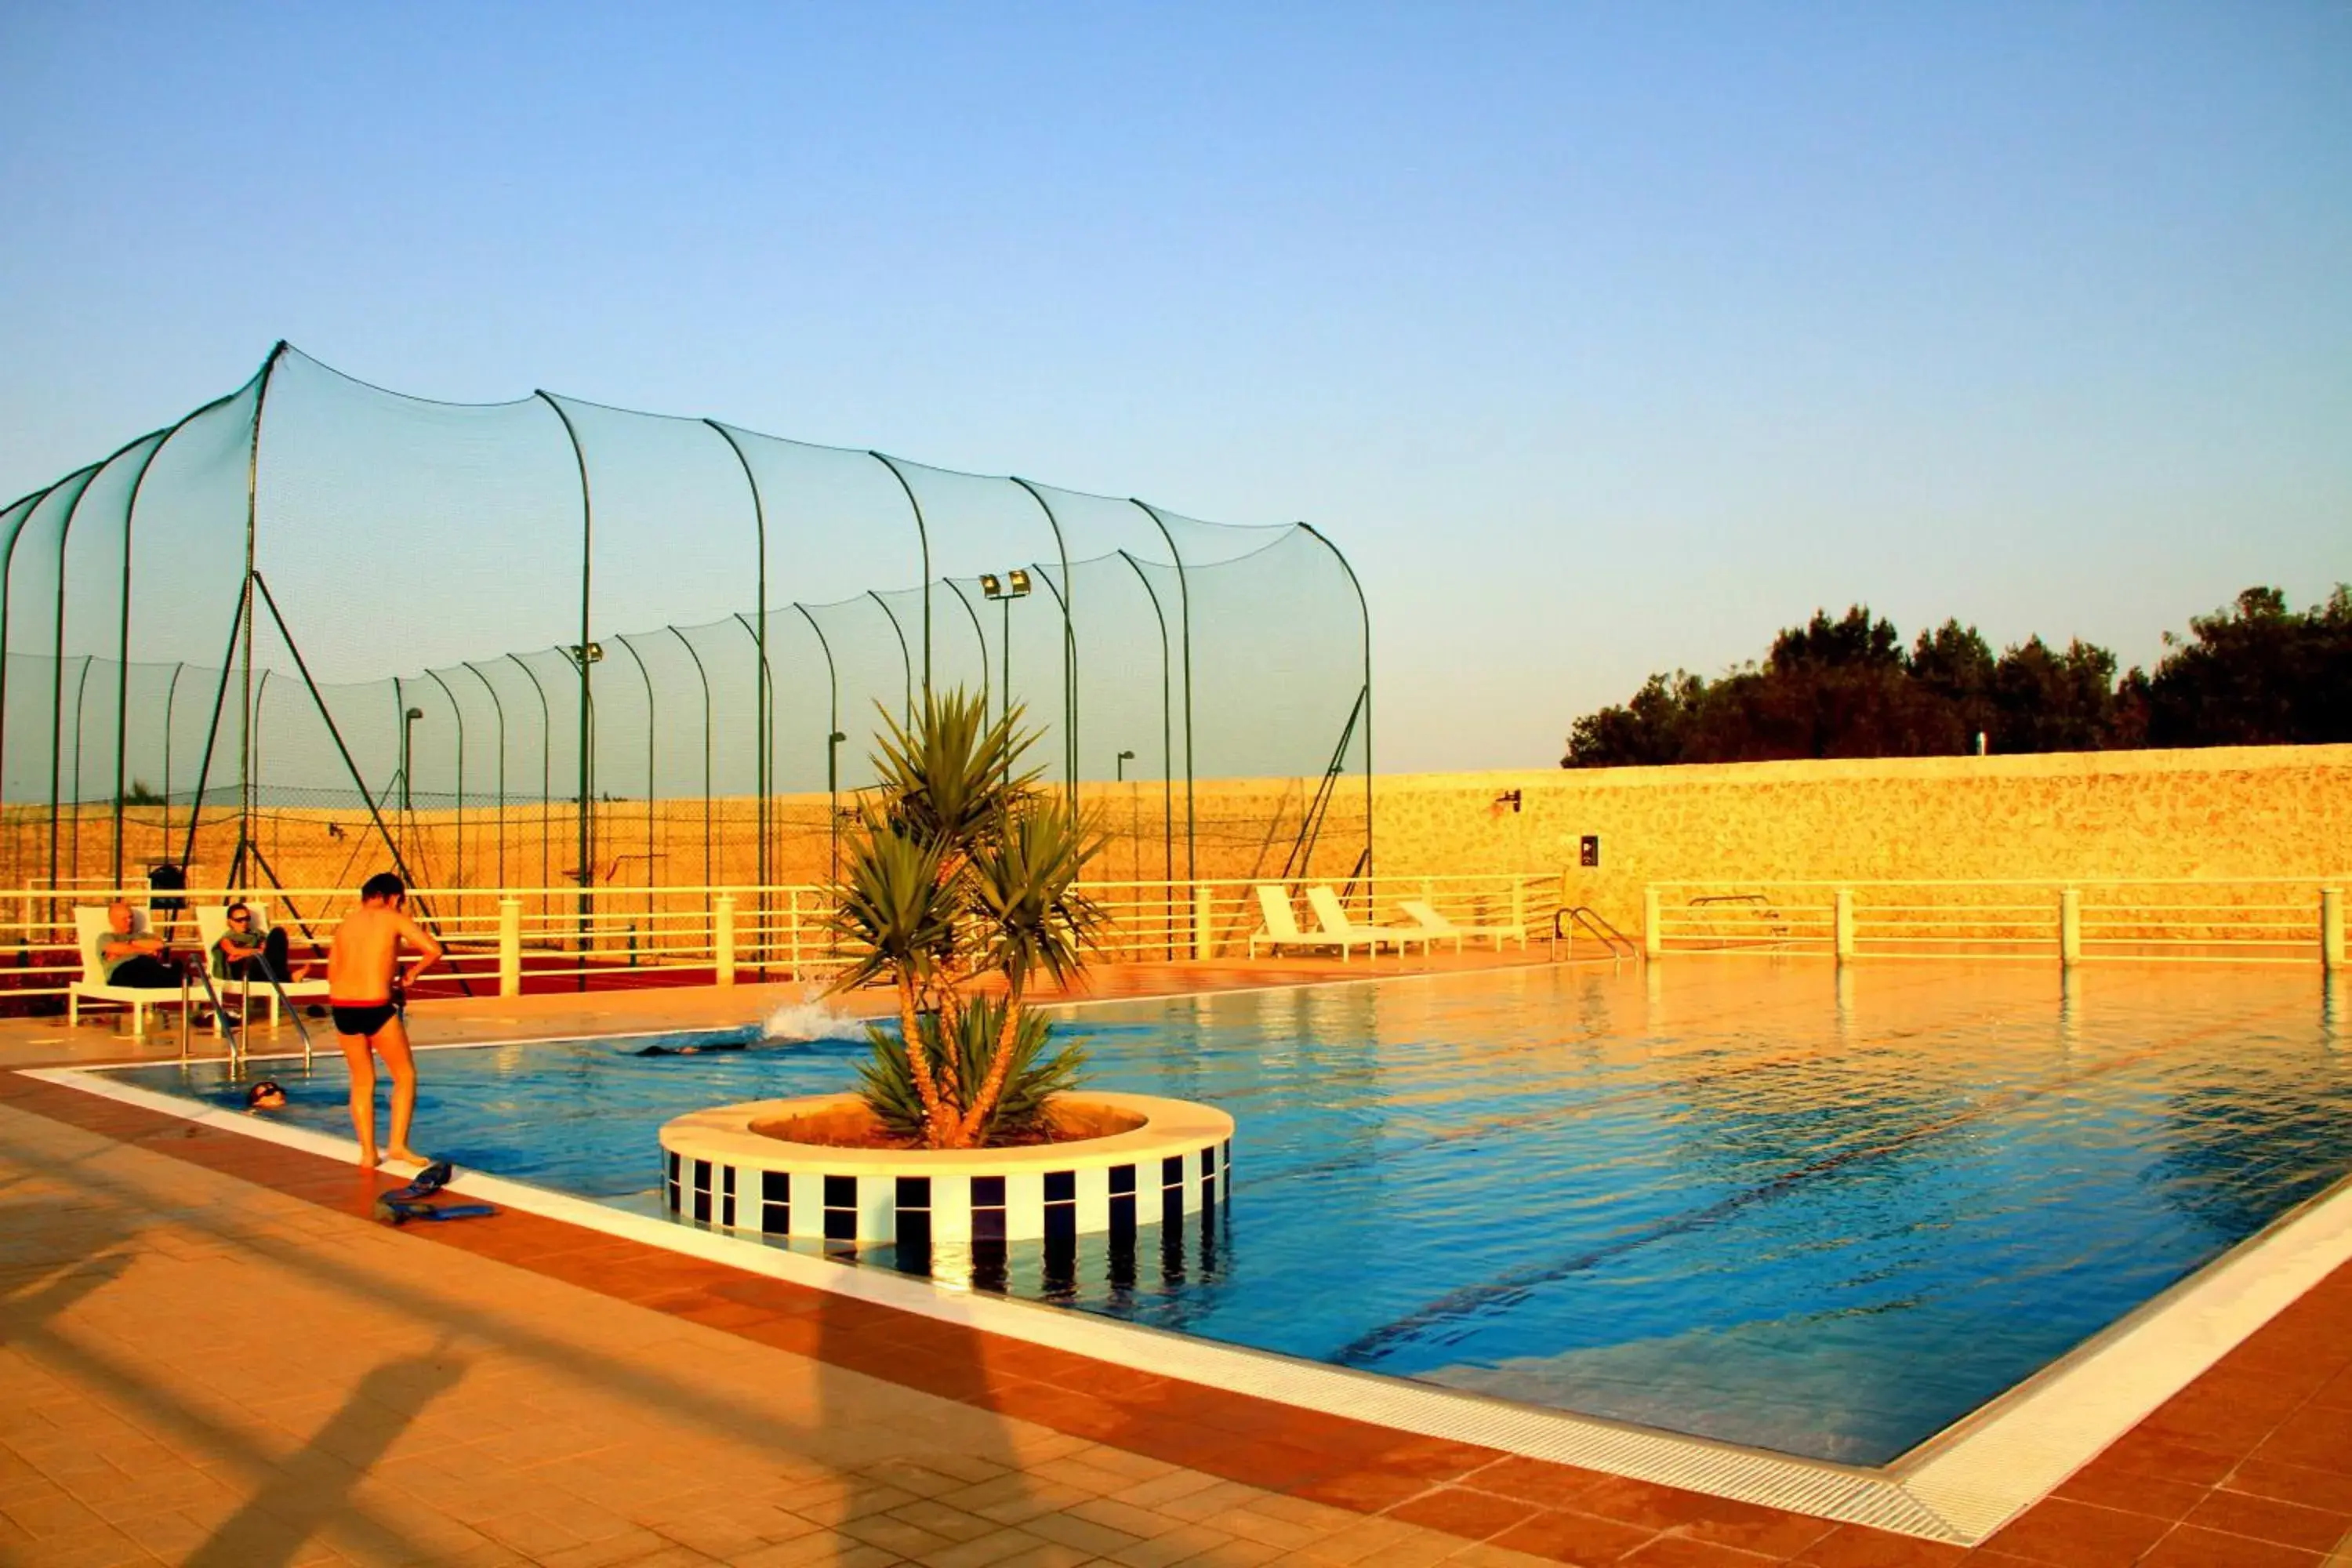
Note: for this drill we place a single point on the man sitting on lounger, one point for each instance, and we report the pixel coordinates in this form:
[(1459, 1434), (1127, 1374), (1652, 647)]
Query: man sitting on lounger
[(134, 958), (243, 954)]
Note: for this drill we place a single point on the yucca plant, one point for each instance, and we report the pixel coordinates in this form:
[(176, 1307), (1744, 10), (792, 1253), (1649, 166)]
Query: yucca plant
[(961, 869)]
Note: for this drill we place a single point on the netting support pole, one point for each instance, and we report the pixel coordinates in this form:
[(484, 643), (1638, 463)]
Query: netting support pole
[(651, 719), (832, 738), (1184, 628), (1069, 597), (923, 535), (1364, 610), (499, 711), (546, 776), (81, 690), (29, 504), (171, 697), (760, 717), (768, 724), (1068, 729), (981, 637), (252, 534), (457, 877), (122, 667), (704, 676), (587, 557), (905, 659), (57, 664), (1167, 746)]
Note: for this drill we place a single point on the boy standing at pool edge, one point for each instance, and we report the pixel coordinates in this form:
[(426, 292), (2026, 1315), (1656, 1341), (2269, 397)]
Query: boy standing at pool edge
[(367, 993)]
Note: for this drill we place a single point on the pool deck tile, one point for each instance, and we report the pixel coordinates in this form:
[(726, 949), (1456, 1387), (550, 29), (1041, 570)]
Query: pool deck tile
[(2249, 1465)]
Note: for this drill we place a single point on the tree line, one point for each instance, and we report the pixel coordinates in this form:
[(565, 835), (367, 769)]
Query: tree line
[(2253, 673)]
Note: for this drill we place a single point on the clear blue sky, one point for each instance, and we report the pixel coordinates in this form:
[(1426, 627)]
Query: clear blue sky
[(1605, 339)]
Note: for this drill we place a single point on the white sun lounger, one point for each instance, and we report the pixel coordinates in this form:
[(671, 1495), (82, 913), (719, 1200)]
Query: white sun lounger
[(1439, 929), (91, 929), (1281, 927), (212, 924), (1333, 915)]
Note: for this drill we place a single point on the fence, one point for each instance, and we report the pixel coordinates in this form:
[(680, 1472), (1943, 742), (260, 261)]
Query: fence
[(2193, 919), (510, 940)]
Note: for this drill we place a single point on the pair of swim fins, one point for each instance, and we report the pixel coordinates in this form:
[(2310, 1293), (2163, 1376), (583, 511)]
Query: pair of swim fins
[(405, 1204)]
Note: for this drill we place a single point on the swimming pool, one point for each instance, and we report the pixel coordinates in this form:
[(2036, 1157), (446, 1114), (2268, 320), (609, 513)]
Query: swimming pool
[(1825, 1213)]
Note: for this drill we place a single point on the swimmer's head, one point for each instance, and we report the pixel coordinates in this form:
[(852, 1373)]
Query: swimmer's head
[(266, 1095), (384, 887)]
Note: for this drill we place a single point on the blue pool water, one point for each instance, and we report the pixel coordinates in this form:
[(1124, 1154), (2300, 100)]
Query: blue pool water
[(1759, 1202)]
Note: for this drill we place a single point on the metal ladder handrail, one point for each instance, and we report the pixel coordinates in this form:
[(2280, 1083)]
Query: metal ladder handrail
[(1594, 921)]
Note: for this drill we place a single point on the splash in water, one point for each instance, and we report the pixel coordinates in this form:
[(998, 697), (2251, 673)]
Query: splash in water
[(811, 1018)]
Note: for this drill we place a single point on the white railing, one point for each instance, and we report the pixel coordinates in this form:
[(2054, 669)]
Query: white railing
[(504, 940), (2280, 919)]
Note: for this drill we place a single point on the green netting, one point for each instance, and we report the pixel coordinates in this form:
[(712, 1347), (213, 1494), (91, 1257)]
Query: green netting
[(550, 643)]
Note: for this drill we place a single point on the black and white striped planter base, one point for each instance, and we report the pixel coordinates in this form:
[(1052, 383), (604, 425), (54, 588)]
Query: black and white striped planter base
[(717, 1171)]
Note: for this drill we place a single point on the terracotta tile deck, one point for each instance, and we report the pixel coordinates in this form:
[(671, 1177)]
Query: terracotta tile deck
[(208, 1355)]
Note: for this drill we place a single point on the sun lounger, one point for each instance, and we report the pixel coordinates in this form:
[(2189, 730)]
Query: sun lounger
[(91, 929), (1439, 929), (1333, 915), (212, 924), (1281, 927)]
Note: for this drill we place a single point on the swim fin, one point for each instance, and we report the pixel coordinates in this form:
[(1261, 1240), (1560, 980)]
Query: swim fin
[(391, 1210), (426, 1182)]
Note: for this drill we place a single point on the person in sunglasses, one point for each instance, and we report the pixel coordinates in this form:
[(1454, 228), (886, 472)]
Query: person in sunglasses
[(245, 953)]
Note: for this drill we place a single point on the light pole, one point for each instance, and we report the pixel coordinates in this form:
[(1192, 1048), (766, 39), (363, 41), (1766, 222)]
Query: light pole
[(833, 801), (1013, 584), (1134, 848), (407, 758)]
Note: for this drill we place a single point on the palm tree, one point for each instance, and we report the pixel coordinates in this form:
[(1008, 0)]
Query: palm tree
[(962, 868)]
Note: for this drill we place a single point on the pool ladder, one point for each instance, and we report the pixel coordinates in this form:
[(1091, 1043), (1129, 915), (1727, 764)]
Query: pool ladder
[(1595, 925)]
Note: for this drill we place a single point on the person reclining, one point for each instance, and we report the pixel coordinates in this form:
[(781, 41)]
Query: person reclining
[(243, 953), (134, 958)]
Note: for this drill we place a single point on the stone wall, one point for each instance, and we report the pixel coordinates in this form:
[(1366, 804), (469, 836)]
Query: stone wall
[(2249, 812)]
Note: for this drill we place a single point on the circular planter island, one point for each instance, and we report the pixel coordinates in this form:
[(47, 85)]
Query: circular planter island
[(792, 1168)]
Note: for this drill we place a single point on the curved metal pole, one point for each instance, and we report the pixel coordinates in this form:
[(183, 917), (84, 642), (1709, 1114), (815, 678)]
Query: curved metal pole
[(171, 696), (647, 676), (260, 693), (587, 781), (762, 757), (499, 709), (81, 690), (1069, 641), (981, 637), (705, 677), (904, 660), (252, 511), (924, 534), (546, 773), (1167, 755), (460, 712), (58, 662), (30, 503), (1046, 577), (123, 672), (1364, 610), (1184, 625), (833, 728)]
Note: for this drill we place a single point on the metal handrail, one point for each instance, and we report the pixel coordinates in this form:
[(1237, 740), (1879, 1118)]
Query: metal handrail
[(1594, 921)]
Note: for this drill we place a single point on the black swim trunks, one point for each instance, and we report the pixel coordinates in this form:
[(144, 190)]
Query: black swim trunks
[(363, 1019)]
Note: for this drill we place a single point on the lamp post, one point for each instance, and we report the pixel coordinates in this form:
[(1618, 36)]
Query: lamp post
[(408, 758), (1134, 850), (833, 801), (1013, 584)]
